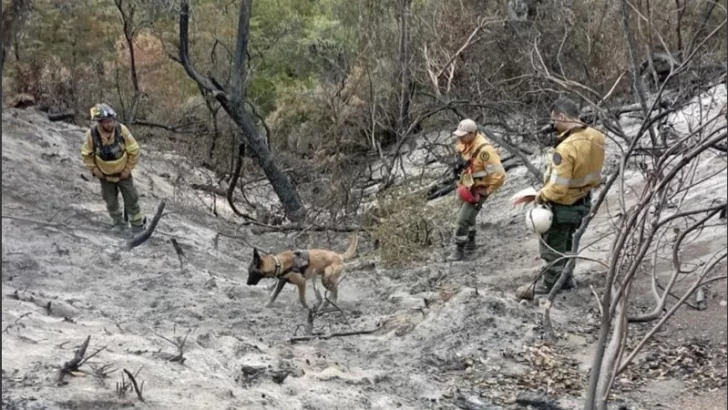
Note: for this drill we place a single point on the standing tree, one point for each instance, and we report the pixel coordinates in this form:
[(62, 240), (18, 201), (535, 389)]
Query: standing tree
[(14, 17), (127, 10), (232, 99)]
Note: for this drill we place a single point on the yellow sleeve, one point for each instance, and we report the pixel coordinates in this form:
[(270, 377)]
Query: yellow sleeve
[(494, 155), (562, 169), (132, 148), (87, 152)]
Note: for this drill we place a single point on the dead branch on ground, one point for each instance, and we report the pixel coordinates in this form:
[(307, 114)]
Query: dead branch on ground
[(102, 372), (123, 387), (316, 311), (147, 233), (209, 188), (179, 343), (299, 227), (16, 322), (54, 226), (295, 339), (137, 388), (178, 251), (79, 358)]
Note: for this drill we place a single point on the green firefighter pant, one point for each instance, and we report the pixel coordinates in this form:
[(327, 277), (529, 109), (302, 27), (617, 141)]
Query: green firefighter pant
[(110, 193), (567, 219), (466, 219)]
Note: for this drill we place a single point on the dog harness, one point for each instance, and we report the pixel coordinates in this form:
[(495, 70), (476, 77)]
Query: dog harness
[(301, 261), (278, 272)]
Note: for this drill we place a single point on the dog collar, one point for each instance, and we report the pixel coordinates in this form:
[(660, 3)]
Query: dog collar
[(278, 265)]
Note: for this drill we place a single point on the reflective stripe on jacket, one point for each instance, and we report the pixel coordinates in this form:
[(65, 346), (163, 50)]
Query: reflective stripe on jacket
[(486, 169), (575, 167)]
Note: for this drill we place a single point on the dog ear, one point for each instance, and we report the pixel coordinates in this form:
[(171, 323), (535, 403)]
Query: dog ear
[(256, 256)]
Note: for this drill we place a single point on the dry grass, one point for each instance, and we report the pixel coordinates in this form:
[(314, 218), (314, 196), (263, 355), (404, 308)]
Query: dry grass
[(405, 226)]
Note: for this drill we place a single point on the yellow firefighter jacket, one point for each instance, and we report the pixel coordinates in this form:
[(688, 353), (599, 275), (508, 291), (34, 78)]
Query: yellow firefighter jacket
[(485, 173), (110, 152), (575, 167)]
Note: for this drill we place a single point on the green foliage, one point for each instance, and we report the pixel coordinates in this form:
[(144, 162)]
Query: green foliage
[(77, 32), (282, 48)]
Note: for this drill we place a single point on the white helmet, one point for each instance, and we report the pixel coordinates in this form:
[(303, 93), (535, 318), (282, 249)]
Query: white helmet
[(539, 218)]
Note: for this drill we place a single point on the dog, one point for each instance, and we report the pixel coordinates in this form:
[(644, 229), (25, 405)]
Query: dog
[(298, 266)]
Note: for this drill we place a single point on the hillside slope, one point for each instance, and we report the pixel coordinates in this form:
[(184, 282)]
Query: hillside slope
[(443, 335)]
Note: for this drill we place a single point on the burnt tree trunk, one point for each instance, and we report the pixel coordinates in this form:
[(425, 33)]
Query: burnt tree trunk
[(127, 18), (15, 16), (232, 100), (404, 85)]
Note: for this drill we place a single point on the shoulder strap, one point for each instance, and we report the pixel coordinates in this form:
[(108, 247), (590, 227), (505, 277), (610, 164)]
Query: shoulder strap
[(94, 136), (117, 133), (477, 151)]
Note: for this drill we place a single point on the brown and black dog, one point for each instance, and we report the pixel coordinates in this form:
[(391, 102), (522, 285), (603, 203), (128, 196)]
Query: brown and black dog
[(299, 266)]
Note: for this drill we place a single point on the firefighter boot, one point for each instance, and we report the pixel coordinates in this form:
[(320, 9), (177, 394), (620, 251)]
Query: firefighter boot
[(118, 226), (470, 244), (135, 229), (458, 253)]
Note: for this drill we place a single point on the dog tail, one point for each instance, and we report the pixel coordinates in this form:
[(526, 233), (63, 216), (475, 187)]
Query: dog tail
[(351, 251)]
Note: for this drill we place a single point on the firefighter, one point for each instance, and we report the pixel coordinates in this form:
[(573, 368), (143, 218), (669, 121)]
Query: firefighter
[(110, 152), (479, 173), (574, 171)]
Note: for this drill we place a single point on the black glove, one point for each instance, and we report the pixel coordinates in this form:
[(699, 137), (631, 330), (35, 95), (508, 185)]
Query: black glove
[(546, 135), (458, 168)]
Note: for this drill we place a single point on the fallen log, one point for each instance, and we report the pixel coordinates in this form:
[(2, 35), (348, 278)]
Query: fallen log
[(61, 116), (210, 188)]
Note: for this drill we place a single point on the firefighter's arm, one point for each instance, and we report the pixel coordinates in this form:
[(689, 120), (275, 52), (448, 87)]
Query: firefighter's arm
[(561, 174), (132, 149), (497, 183), (87, 153)]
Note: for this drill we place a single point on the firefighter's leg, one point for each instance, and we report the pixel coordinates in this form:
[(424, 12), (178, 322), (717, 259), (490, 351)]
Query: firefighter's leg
[(470, 244), (567, 220), (131, 203), (465, 220), (556, 243), (110, 193)]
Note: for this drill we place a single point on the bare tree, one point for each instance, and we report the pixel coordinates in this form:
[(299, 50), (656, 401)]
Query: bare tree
[(650, 227), (232, 99), (404, 86), (127, 10)]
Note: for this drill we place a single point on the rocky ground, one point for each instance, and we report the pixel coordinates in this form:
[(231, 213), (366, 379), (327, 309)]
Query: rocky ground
[(437, 335)]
